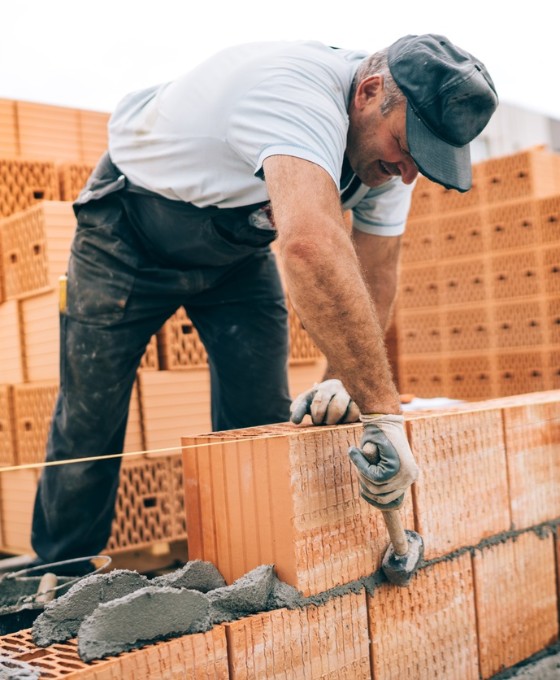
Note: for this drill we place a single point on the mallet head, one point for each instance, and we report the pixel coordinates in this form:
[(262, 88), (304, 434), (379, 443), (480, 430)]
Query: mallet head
[(399, 569)]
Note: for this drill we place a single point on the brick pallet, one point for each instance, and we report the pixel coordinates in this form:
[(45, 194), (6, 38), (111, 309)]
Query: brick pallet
[(477, 313)]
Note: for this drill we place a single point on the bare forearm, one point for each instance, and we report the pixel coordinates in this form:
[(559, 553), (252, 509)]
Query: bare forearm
[(332, 300)]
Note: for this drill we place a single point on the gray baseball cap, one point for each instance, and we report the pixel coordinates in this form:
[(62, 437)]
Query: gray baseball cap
[(450, 99)]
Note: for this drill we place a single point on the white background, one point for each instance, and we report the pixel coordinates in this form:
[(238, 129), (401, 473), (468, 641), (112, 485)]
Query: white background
[(88, 55)]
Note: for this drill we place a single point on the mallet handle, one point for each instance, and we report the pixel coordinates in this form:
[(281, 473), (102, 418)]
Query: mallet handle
[(396, 531)]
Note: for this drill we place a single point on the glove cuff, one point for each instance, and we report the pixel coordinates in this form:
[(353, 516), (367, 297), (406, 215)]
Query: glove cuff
[(375, 418)]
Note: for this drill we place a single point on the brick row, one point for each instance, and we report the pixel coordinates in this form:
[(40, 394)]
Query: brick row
[(532, 173), (524, 323), (483, 374), (23, 183), (288, 495), (463, 618), (48, 132)]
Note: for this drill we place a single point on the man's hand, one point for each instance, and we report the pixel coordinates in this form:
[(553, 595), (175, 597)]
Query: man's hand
[(328, 403), (385, 464)]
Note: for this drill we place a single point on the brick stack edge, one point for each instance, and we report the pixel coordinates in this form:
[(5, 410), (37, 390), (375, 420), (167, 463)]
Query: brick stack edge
[(46, 155), (477, 312)]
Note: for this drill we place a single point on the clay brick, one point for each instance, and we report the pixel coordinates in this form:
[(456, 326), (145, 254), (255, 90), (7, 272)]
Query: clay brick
[(150, 358), (93, 129), (134, 438), (450, 200), (461, 496), (24, 183), (516, 601), (174, 403), (470, 377), (522, 371), (553, 320), (301, 377), (516, 274), (423, 376), (33, 409), (41, 337), (528, 174), (423, 198), (514, 224), (463, 281), (467, 328), (17, 492), (420, 241), (179, 344), (144, 506), (48, 132), (12, 360), (520, 324), (7, 434), (420, 332), (73, 177), (549, 213), (9, 140), (462, 234), (286, 496), (198, 656), (427, 630), (327, 641), (532, 437), (551, 261), (418, 287), (35, 247)]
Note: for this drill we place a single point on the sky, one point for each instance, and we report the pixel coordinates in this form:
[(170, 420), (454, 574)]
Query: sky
[(88, 55)]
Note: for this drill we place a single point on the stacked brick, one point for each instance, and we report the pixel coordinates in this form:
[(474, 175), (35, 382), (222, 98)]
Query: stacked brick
[(485, 598), (477, 310), (46, 155)]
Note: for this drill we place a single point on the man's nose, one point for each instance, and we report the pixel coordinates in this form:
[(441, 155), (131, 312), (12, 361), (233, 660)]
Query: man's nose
[(409, 171)]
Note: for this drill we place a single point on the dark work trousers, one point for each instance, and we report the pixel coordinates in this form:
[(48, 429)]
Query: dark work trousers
[(135, 259)]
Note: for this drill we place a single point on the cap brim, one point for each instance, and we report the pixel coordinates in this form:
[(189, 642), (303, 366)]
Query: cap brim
[(437, 160)]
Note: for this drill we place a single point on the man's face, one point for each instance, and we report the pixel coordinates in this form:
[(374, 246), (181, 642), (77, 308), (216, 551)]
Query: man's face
[(376, 145)]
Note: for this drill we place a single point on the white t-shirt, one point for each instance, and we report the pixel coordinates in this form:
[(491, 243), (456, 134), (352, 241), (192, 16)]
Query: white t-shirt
[(203, 138)]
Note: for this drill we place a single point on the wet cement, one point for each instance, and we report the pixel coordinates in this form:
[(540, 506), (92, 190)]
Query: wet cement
[(191, 599), (62, 617), (149, 614)]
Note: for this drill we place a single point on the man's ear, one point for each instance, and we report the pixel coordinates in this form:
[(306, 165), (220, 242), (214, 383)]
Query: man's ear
[(368, 89)]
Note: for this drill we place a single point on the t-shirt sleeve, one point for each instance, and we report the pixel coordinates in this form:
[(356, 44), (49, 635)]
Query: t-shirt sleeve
[(289, 116), (383, 211)]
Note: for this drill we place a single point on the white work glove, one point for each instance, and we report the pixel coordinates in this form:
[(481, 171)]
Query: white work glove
[(328, 403), (385, 464)]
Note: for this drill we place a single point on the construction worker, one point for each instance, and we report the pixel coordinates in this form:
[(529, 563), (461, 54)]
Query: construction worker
[(261, 141)]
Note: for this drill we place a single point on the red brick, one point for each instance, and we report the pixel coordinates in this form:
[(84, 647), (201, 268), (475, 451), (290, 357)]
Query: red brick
[(9, 139), (36, 247), (532, 437), (516, 600), (326, 641), (461, 496), (12, 360), (198, 656), (33, 409), (286, 496), (48, 132), (427, 630), (24, 183), (7, 434), (174, 403)]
